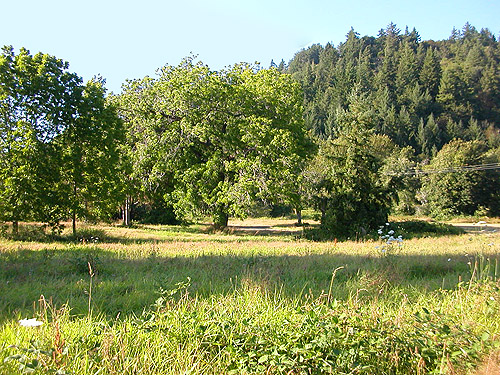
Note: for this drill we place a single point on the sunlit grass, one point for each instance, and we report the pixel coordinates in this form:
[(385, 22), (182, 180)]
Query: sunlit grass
[(184, 300)]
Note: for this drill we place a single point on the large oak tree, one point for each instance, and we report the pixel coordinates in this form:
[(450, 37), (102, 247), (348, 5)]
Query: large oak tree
[(217, 140)]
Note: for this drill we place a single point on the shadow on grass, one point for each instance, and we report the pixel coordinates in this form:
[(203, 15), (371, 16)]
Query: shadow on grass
[(409, 229), (191, 229), (128, 286), (263, 230), (149, 234), (203, 232), (90, 235)]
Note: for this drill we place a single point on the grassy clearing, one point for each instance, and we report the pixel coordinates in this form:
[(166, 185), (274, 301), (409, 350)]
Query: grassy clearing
[(171, 300)]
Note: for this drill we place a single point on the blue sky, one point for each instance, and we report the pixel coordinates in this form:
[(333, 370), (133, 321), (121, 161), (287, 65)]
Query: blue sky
[(131, 39)]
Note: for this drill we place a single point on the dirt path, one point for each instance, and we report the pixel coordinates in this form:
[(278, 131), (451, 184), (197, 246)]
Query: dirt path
[(480, 227)]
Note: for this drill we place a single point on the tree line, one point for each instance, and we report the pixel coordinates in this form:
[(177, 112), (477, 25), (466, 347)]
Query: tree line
[(355, 131), (422, 106), (423, 93)]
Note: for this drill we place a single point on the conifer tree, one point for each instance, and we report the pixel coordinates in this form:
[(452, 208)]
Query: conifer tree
[(430, 74)]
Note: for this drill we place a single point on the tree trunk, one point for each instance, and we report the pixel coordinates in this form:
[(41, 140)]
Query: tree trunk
[(221, 218), (74, 208), (15, 227), (298, 211), (126, 212), (74, 221)]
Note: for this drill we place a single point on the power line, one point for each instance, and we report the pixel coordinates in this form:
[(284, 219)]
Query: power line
[(462, 168)]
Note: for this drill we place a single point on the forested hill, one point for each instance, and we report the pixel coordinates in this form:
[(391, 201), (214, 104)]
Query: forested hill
[(423, 93)]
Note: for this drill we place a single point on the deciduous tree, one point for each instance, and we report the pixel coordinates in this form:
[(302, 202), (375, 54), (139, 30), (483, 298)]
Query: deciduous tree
[(226, 138), (57, 141), (450, 190)]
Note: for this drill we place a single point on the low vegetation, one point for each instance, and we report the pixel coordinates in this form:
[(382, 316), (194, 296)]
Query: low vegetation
[(371, 127), (254, 299)]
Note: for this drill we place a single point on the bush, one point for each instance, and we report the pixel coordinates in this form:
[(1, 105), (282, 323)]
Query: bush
[(27, 232)]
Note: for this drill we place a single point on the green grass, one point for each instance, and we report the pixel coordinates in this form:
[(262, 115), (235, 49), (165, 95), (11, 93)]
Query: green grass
[(174, 300)]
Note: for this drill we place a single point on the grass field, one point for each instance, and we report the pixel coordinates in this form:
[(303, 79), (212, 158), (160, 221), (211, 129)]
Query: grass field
[(258, 298)]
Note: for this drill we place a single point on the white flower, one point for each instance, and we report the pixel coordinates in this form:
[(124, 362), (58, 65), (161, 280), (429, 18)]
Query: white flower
[(386, 223), (30, 322), (449, 259), (380, 231), (391, 232)]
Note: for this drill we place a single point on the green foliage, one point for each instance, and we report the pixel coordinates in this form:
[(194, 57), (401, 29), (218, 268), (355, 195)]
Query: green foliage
[(452, 80), (36, 96), (395, 164), (157, 212), (420, 228), (57, 142), (451, 192), (91, 157), (347, 343), (26, 233), (218, 140), (343, 177)]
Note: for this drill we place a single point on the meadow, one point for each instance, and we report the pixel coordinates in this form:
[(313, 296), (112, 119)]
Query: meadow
[(259, 298)]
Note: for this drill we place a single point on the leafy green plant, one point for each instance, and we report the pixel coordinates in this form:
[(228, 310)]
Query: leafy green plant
[(32, 359), (167, 296), (84, 259)]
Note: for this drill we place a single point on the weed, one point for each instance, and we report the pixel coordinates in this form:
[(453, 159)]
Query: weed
[(37, 355), (167, 301), (483, 268), (90, 236), (391, 244), (83, 260)]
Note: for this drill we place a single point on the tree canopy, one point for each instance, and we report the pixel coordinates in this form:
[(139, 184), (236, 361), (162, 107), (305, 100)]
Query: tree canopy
[(57, 141), (341, 128), (220, 139), (425, 93)]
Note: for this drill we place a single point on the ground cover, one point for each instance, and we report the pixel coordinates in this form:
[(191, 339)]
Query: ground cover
[(257, 298)]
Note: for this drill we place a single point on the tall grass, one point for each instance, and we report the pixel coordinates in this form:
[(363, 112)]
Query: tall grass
[(140, 301)]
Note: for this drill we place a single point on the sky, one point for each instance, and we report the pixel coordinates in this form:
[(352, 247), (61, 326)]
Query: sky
[(122, 39)]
